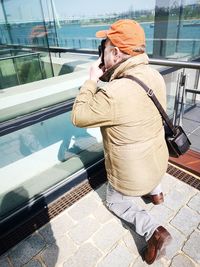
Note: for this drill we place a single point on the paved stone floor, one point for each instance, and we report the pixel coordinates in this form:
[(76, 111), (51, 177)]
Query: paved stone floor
[(87, 234), (191, 125)]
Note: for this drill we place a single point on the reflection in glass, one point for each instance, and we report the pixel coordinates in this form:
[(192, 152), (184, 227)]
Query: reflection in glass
[(45, 154), (22, 31)]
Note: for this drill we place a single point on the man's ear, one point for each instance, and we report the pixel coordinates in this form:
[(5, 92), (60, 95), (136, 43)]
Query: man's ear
[(116, 51), (117, 54)]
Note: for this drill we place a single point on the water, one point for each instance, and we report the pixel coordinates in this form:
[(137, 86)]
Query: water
[(72, 35), (83, 37), (77, 36)]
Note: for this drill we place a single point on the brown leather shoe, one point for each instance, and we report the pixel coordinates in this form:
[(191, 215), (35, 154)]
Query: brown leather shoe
[(155, 199), (156, 244)]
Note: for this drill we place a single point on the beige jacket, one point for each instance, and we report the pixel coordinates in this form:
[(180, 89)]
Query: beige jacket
[(136, 154)]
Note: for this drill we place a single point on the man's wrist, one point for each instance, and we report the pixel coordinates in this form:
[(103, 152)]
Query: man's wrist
[(89, 85)]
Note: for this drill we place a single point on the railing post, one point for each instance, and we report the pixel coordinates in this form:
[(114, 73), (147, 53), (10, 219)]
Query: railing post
[(41, 69), (179, 99), (16, 71), (196, 83), (161, 47), (193, 47), (177, 93), (183, 98)]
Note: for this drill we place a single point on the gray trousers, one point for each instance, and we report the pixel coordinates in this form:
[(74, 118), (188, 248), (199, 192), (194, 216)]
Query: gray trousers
[(126, 208)]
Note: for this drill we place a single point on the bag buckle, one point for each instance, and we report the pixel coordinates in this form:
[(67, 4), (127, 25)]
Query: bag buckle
[(150, 92)]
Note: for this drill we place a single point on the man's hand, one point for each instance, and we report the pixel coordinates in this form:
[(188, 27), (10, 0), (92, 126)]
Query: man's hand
[(95, 71)]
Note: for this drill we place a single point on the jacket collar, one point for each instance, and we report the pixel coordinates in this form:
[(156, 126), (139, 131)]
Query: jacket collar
[(118, 70)]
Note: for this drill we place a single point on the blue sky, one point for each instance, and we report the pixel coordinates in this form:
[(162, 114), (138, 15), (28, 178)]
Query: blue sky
[(90, 8), (30, 10), (94, 7), (24, 10)]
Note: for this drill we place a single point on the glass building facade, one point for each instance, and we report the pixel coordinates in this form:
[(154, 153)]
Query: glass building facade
[(44, 57)]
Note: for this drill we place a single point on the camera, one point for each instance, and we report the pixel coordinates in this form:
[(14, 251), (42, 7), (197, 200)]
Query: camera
[(101, 49)]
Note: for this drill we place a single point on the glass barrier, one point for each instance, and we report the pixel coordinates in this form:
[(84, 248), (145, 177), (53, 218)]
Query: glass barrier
[(22, 24), (179, 91), (38, 157), (172, 30), (21, 69), (8, 75), (177, 96), (186, 49)]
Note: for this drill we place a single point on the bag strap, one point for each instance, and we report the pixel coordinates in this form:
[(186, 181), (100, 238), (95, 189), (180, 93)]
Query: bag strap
[(151, 94)]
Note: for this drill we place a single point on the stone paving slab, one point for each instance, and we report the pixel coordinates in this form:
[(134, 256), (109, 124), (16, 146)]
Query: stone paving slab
[(194, 203), (186, 220), (113, 259), (183, 261), (191, 247), (88, 235), (86, 256)]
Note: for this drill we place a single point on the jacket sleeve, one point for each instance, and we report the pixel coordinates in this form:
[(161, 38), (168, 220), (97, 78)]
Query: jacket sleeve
[(92, 107)]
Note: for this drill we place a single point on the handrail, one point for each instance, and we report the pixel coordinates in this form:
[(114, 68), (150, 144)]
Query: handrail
[(163, 62), (173, 63), (18, 56)]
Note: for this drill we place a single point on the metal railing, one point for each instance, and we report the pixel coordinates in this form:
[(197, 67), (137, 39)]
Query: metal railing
[(181, 89), (175, 63), (171, 66), (189, 46)]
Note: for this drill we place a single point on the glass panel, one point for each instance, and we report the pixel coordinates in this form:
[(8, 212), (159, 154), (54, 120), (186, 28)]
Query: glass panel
[(29, 68), (177, 30), (171, 27), (8, 75), (22, 31), (171, 85), (176, 90), (75, 26), (43, 155), (19, 69)]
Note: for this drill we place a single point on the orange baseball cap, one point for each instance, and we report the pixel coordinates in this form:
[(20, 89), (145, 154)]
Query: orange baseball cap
[(127, 35)]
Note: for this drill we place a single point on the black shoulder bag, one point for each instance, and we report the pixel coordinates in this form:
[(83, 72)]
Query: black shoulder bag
[(176, 139)]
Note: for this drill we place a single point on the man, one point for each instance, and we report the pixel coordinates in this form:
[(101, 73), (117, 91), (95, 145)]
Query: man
[(136, 154)]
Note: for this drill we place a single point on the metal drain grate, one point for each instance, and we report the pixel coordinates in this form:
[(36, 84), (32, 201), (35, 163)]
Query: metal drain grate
[(69, 199), (184, 176)]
